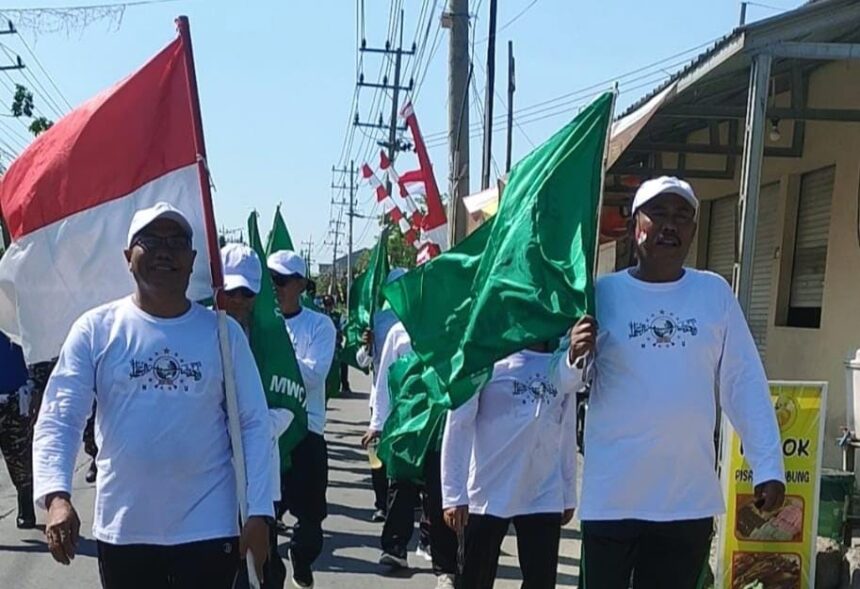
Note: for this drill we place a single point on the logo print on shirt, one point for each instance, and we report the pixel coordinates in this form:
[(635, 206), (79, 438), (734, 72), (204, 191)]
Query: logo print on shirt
[(536, 389), (664, 330), (166, 371)]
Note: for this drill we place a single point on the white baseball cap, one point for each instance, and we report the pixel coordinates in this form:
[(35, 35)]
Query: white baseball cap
[(287, 263), (664, 185), (395, 274), (241, 267), (161, 210)]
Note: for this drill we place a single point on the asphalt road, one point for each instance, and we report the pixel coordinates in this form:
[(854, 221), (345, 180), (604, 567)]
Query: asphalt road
[(351, 547)]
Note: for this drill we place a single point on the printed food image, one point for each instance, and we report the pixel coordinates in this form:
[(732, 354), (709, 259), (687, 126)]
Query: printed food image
[(765, 570), (782, 525), (786, 412)]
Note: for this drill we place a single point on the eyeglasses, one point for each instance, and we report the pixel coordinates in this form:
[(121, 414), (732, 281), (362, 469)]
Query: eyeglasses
[(242, 291), (173, 242)]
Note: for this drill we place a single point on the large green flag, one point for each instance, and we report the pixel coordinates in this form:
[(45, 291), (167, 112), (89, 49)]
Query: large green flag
[(419, 398), (273, 350), (365, 299), (534, 278), (522, 278)]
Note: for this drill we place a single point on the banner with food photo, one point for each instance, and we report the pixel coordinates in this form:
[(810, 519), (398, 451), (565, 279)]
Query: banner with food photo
[(775, 550)]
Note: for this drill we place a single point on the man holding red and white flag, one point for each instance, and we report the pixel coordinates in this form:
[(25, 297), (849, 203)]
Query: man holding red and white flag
[(108, 211)]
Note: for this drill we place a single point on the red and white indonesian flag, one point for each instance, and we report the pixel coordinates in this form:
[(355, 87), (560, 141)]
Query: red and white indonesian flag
[(69, 198)]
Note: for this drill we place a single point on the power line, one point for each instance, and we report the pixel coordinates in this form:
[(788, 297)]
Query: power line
[(575, 95), (41, 67), (512, 21)]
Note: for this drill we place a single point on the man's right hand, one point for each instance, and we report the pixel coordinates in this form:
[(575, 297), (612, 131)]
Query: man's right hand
[(63, 528), (456, 518), (367, 339), (583, 338), (368, 437)]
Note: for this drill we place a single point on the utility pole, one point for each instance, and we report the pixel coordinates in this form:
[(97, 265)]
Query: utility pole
[(393, 145), (457, 20), (352, 216), (337, 232), (308, 251), (512, 87), (488, 99)]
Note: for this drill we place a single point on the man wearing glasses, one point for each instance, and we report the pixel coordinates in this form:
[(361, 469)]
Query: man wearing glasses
[(166, 506), (303, 487)]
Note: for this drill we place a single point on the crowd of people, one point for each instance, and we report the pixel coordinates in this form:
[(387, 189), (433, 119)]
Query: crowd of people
[(668, 348)]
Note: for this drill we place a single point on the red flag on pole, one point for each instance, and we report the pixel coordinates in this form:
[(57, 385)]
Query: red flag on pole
[(69, 198)]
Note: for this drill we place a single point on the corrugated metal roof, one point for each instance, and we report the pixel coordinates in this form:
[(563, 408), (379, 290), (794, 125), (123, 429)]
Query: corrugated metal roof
[(718, 45)]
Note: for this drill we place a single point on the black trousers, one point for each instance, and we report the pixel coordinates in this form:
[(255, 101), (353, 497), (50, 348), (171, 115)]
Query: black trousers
[(303, 493), (400, 523), (538, 537), (274, 571), (211, 564), (379, 478), (657, 554)]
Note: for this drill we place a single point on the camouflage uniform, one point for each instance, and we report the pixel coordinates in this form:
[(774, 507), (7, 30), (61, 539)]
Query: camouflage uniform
[(16, 443)]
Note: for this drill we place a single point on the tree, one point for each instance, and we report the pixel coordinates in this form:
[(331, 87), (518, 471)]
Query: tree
[(23, 106)]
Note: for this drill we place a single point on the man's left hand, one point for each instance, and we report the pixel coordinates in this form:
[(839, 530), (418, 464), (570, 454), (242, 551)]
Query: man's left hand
[(770, 496), (255, 537)]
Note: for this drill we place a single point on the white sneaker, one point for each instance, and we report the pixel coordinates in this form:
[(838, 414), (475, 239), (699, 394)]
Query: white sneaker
[(445, 582), (420, 552)]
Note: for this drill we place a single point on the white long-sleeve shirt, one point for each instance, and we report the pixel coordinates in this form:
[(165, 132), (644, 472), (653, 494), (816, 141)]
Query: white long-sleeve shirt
[(313, 335), (511, 449), (165, 470), (397, 344), (383, 321), (663, 352)]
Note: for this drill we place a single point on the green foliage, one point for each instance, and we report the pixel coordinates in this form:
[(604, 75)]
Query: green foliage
[(22, 103), (23, 106)]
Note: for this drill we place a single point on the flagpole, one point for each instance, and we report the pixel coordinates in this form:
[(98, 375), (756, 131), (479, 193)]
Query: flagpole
[(217, 272), (605, 170)]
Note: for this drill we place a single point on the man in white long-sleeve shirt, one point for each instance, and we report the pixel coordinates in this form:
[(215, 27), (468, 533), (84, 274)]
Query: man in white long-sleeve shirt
[(667, 340), (403, 494), (303, 487), (509, 456), (368, 356), (166, 512), (243, 274)]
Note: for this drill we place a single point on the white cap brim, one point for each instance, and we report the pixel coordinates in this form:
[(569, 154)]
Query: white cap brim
[(234, 281)]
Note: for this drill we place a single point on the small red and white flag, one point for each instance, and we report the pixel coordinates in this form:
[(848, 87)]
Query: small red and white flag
[(434, 223), (69, 198)]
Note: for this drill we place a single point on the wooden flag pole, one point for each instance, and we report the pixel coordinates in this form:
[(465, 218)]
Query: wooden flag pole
[(233, 423)]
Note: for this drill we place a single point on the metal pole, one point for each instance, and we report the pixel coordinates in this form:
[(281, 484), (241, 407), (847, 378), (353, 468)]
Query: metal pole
[(512, 87), (751, 175), (395, 99), (458, 114), (488, 99), (351, 218), (743, 20)]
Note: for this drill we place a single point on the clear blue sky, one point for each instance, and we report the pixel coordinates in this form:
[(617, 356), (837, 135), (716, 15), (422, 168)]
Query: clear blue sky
[(277, 80)]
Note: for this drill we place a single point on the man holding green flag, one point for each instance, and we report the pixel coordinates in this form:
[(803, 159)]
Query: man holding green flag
[(242, 278), (304, 486), (521, 279)]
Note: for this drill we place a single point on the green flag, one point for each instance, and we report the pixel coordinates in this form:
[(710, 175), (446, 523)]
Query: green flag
[(279, 237), (522, 278), (419, 398), (273, 350), (534, 278), (365, 299)]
